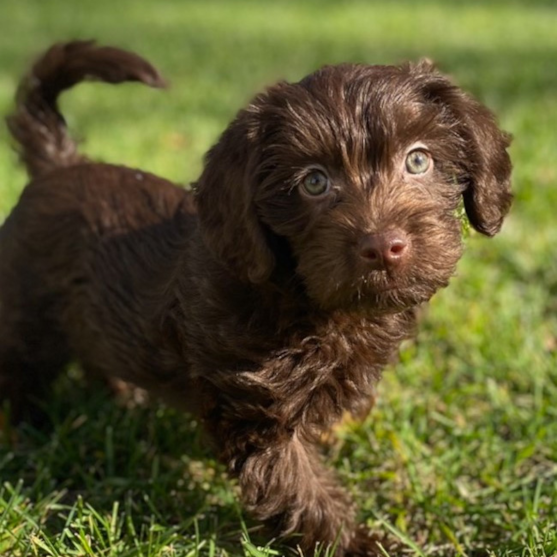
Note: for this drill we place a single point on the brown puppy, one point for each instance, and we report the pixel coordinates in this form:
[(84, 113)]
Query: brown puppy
[(267, 301)]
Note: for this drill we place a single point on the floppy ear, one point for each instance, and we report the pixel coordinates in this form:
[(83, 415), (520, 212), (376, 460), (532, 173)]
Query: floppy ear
[(487, 168), (225, 192)]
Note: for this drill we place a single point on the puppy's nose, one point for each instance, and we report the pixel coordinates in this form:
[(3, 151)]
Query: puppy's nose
[(384, 250)]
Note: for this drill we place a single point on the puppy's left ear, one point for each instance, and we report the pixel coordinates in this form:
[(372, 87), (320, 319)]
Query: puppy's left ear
[(487, 166)]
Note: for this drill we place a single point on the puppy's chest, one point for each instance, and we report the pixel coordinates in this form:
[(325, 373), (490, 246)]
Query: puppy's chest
[(315, 378)]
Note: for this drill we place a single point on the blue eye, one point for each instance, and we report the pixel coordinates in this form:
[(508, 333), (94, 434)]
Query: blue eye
[(316, 183), (418, 161)]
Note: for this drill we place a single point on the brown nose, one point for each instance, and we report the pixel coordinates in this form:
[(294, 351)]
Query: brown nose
[(384, 250)]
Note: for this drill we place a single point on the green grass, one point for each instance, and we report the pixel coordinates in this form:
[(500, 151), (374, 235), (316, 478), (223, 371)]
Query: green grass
[(460, 455)]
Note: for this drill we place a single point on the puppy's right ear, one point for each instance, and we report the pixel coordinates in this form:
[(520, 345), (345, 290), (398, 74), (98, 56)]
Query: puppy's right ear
[(229, 223)]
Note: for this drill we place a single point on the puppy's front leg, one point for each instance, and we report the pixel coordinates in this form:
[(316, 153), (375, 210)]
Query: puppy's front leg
[(285, 485)]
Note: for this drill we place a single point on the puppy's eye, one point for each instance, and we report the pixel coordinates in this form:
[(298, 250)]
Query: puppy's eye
[(316, 183), (418, 161)]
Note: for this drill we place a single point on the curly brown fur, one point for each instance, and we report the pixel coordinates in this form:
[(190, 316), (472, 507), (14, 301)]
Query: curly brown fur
[(264, 309)]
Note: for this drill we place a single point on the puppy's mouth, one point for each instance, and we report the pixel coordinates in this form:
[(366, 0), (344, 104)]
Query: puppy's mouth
[(390, 299), (383, 294)]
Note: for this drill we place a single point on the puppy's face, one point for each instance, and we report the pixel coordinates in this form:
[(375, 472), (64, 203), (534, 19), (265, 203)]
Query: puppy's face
[(360, 171)]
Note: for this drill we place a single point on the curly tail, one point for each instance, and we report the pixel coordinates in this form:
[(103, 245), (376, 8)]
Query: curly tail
[(37, 125)]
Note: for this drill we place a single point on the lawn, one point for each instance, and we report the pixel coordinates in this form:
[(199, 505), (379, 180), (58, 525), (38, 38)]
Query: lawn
[(459, 457)]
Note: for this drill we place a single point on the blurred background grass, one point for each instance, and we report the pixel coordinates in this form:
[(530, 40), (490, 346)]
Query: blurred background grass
[(460, 456)]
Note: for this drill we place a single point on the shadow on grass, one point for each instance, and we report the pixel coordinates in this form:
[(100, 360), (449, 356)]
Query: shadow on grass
[(149, 460)]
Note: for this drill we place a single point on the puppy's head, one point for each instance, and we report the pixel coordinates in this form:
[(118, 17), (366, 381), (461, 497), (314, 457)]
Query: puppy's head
[(358, 172)]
